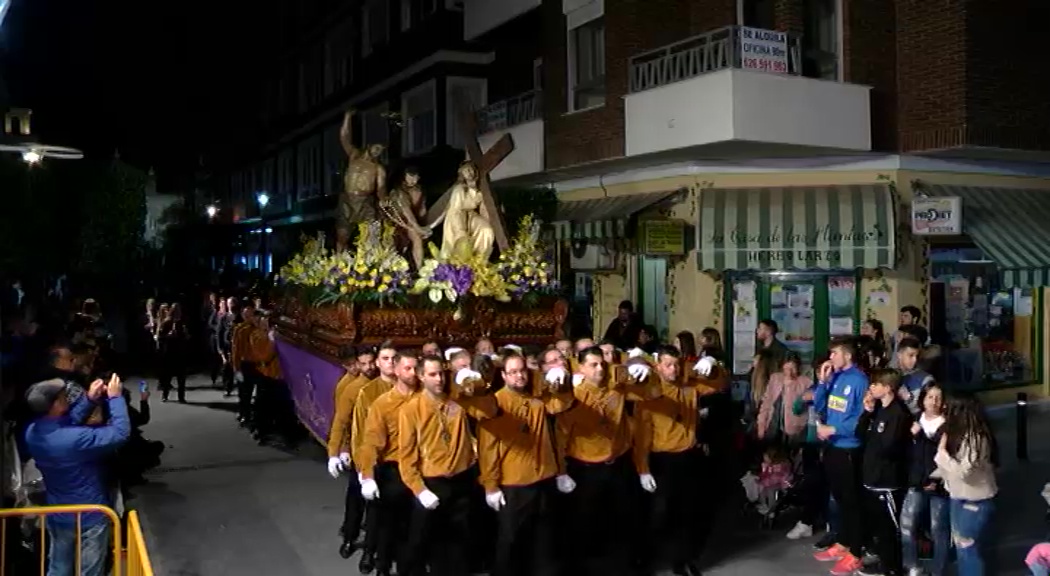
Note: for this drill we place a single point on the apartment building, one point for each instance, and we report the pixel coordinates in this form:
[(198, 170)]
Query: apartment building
[(817, 162), (402, 64)]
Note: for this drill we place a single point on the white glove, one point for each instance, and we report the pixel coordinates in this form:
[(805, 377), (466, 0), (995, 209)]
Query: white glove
[(369, 489), (565, 484), (271, 334), (656, 357), (704, 412), (428, 499), (450, 352), (492, 355), (556, 375), (638, 371), (495, 500), (238, 376), (704, 366), (345, 459), (335, 466), (636, 353), (514, 347), (466, 374), (648, 482)]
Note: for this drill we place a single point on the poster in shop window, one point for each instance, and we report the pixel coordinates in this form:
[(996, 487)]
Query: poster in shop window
[(745, 321), (791, 307), (842, 301)]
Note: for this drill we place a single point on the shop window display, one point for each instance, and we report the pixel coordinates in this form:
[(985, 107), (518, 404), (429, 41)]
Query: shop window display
[(985, 329)]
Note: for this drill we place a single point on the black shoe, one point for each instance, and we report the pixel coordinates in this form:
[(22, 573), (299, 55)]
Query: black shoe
[(826, 541), (687, 569), (367, 563), (346, 550)]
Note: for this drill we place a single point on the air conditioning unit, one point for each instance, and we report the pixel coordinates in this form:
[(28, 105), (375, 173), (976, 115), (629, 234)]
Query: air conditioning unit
[(586, 256)]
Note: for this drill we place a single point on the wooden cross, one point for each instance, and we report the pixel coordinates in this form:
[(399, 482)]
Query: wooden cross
[(485, 162)]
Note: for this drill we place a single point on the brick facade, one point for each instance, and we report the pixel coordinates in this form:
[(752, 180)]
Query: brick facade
[(631, 27), (944, 73)]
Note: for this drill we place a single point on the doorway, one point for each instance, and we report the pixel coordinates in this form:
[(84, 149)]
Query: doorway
[(652, 294)]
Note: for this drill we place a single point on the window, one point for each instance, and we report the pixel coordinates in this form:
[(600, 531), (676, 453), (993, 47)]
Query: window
[(339, 58), (264, 176), (419, 112), (334, 160), (821, 40), (310, 168), (286, 173), (414, 12), (757, 13), (987, 328), (375, 25), (587, 64), (460, 93), (537, 74)]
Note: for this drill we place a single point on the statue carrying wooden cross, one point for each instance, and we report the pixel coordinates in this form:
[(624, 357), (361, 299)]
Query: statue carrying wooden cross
[(483, 164)]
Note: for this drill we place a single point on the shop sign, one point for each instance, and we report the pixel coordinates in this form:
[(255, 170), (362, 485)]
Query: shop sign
[(663, 237), (941, 216), (763, 50)]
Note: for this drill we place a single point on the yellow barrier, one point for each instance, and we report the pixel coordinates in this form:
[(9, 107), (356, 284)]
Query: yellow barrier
[(136, 561)]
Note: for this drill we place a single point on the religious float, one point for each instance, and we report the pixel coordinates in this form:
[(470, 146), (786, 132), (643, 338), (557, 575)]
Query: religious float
[(454, 294)]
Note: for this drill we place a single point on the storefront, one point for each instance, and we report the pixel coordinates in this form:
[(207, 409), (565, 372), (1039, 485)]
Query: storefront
[(821, 251), (989, 252), (794, 255)]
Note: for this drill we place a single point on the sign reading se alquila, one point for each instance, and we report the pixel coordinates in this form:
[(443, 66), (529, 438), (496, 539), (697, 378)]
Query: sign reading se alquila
[(822, 244)]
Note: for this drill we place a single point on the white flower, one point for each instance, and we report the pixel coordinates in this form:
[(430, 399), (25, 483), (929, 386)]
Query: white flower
[(435, 295), (450, 294)]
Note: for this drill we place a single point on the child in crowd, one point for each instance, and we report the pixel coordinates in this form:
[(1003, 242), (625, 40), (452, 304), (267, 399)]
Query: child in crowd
[(1038, 559), (774, 477)]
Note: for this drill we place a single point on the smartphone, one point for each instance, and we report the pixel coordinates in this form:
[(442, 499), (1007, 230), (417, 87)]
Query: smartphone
[(143, 387)]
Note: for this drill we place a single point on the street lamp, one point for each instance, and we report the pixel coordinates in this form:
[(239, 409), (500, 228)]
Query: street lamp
[(31, 157), (211, 210), (263, 199)]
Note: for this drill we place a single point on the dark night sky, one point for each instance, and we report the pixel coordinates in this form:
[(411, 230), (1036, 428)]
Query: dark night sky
[(161, 81)]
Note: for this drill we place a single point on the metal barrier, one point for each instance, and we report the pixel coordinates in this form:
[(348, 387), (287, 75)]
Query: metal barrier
[(136, 560)]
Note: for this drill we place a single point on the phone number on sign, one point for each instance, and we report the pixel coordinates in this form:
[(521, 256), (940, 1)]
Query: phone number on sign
[(765, 65)]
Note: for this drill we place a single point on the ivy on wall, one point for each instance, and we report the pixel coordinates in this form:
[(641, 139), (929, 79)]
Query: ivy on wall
[(719, 303)]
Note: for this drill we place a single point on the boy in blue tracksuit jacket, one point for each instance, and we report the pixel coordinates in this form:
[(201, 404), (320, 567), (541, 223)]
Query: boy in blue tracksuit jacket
[(839, 398)]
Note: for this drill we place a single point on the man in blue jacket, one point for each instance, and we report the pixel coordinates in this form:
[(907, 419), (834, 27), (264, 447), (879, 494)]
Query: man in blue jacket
[(839, 396), (72, 458)]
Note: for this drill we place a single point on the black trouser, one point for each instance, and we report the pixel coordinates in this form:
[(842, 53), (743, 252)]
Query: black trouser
[(392, 511), (603, 505), (354, 507), (814, 489), (674, 509), (251, 381), (441, 537), (172, 367), (882, 517), (525, 538), (227, 374), (843, 470)]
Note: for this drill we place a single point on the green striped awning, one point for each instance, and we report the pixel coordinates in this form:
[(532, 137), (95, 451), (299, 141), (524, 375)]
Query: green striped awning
[(798, 228), (1010, 225), (601, 218)]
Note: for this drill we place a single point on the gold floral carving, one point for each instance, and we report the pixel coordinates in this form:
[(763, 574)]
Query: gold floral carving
[(329, 329)]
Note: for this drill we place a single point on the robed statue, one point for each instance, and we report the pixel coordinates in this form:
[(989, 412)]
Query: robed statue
[(466, 216), (364, 183)]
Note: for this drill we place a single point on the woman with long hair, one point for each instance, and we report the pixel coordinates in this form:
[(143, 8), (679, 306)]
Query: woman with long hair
[(776, 419), (711, 343), (686, 344), (763, 366), (925, 493), (967, 456)]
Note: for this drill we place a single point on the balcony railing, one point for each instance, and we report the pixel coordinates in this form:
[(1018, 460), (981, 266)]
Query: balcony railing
[(692, 57), (511, 112)]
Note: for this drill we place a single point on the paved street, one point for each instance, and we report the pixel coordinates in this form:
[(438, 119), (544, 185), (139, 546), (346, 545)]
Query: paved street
[(221, 505)]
